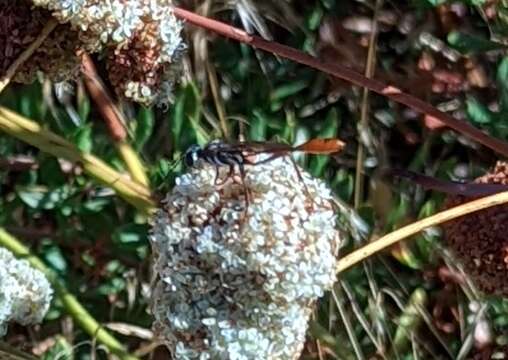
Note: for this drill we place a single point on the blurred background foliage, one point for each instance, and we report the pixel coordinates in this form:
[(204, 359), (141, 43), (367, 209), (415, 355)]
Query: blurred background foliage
[(413, 302)]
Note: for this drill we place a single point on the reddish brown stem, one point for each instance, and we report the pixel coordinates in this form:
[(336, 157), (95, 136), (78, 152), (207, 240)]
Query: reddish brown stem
[(99, 94), (344, 73)]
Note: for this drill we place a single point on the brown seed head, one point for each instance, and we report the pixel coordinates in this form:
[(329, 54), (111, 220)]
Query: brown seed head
[(480, 239)]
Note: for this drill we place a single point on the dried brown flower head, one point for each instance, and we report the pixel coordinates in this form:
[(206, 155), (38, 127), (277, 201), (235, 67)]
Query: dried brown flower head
[(480, 239), (139, 38), (20, 24)]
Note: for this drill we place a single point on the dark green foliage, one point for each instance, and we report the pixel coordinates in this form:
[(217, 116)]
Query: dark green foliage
[(98, 244)]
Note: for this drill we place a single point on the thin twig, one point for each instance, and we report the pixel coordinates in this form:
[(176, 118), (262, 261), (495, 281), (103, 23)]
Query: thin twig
[(347, 324), (344, 73), (219, 106), (34, 134), (357, 311), (364, 112), (25, 55), (113, 118), (8, 352), (406, 231), (110, 114)]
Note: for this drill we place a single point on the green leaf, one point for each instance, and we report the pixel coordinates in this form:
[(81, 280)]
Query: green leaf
[(31, 104), (145, 126), (502, 83), (398, 213), (38, 197), (410, 319), (130, 236), (471, 44), (114, 286), (288, 89), (187, 115), (84, 108), (343, 183), (477, 112), (83, 138), (315, 18), (318, 164), (61, 349), (258, 126), (53, 256), (436, 2), (95, 205), (330, 125)]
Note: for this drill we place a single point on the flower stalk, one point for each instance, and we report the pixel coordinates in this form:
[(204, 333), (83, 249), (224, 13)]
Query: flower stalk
[(395, 236), (32, 133), (113, 119)]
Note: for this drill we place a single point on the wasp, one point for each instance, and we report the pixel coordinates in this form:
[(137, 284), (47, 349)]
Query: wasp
[(242, 154)]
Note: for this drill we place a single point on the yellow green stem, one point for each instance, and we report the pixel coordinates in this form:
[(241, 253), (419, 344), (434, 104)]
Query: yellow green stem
[(69, 301), (32, 133), (406, 231), (133, 162)]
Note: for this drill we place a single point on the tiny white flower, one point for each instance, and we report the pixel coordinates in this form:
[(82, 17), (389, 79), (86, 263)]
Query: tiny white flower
[(259, 272), (25, 293)]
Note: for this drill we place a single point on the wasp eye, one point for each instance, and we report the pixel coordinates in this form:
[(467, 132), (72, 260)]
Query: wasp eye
[(189, 159), (191, 155)]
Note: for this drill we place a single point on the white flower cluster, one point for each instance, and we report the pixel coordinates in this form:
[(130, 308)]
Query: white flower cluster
[(242, 285), (25, 294), (116, 24)]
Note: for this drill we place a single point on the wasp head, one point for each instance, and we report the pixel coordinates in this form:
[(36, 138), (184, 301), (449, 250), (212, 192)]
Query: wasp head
[(192, 155)]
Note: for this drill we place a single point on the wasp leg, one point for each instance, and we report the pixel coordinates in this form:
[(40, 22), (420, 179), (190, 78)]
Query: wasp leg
[(230, 174), (300, 177), (216, 175), (245, 190), (268, 159)]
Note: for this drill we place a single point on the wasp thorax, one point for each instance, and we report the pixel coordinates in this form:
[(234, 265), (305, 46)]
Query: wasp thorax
[(241, 285)]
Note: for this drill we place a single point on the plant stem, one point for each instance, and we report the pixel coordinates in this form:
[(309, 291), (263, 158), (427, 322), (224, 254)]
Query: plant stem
[(132, 162), (113, 118), (71, 304), (32, 133), (344, 73), (9, 353), (363, 124), (414, 228), (25, 55)]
